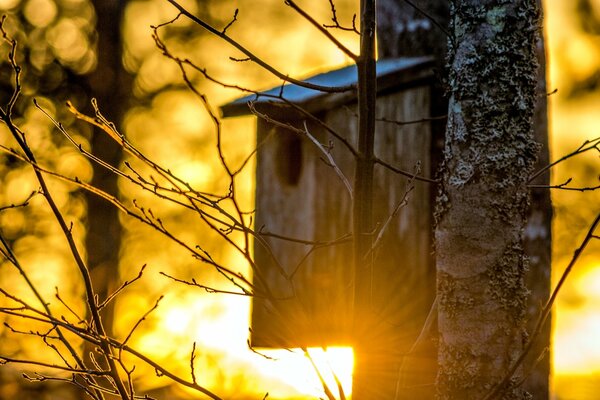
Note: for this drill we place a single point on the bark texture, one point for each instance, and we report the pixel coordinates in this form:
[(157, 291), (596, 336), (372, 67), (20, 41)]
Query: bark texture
[(483, 201)]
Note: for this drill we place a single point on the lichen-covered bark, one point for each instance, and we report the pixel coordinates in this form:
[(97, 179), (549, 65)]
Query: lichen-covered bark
[(483, 201)]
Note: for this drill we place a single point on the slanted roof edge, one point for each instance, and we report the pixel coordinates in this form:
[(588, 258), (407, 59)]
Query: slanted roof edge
[(391, 74)]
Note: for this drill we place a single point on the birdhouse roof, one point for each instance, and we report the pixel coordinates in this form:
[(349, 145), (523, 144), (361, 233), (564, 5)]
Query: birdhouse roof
[(392, 74)]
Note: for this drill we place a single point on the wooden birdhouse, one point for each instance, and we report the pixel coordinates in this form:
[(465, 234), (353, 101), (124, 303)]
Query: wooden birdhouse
[(303, 223)]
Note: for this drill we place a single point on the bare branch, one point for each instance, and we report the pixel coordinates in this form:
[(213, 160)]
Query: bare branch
[(7, 360), (412, 122), (255, 58), (336, 23), (402, 203), (586, 146), (403, 172), (192, 358), (142, 319), (235, 14), (326, 389), (321, 29), (23, 203), (331, 161), (124, 285), (208, 289)]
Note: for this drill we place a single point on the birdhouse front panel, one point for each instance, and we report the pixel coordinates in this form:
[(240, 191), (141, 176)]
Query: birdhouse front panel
[(303, 218), (301, 264)]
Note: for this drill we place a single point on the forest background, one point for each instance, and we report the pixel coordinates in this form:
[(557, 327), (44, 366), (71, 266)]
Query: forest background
[(164, 119)]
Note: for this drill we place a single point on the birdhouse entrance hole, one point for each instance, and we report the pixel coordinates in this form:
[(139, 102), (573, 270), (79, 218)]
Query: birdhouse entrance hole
[(289, 157)]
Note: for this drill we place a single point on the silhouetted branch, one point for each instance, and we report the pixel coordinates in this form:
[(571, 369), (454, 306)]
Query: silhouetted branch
[(208, 289), (142, 319), (321, 29), (24, 203), (326, 389), (588, 145), (124, 285), (330, 161), (255, 58), (6, 116), (412, 122), (336, 23)]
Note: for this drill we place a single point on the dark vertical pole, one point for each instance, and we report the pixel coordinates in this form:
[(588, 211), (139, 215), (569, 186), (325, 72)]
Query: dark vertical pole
[(366, 349)]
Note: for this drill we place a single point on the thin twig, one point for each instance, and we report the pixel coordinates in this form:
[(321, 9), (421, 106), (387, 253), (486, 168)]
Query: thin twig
[(588, 145), (411, 122), (336, 23), (321, 29), (326, 389), (23, 203), (256, 59), (208, 289), (125, 284), (402, 203), (192, 367), (142, 319), (235, 15), (331, 161)]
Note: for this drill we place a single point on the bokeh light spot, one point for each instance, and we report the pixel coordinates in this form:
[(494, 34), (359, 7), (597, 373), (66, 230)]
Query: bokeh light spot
[(8, 4), (40, 13), (68, 40)]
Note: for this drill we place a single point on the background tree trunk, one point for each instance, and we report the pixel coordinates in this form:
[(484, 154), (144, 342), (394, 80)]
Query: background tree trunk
[(482, 207), (110, 85), (538, 244), (405, 30)]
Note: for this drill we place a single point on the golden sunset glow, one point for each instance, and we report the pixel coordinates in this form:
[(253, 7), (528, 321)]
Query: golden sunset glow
[(171, 125)]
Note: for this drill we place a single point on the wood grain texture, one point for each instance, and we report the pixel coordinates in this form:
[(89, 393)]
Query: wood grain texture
[(314, 307)]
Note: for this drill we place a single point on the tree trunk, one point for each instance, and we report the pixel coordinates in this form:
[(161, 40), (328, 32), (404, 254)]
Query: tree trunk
[(482, 207), (110, 85)]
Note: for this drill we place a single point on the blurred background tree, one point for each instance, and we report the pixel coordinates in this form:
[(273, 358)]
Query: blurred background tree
[(57, 49)]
